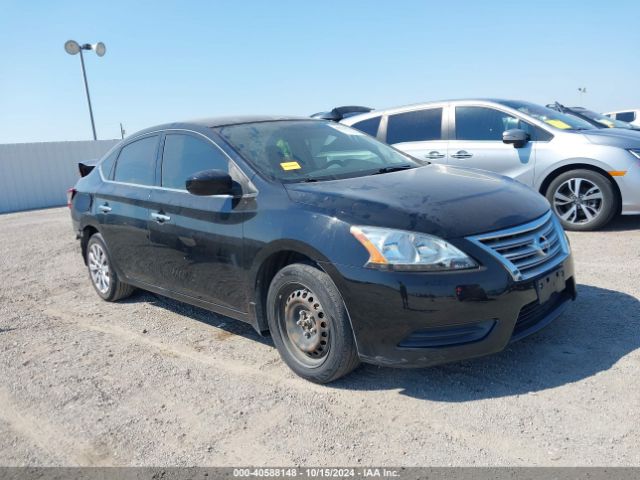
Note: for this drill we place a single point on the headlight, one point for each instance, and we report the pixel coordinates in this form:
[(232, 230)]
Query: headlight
[(635, 152), (401, 250)]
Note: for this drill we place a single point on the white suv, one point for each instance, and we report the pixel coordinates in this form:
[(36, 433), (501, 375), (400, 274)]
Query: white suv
[(588, 175), (629, 116)]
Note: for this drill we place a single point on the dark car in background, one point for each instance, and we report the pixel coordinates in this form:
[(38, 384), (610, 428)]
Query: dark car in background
[(341, 247), (594, 118)]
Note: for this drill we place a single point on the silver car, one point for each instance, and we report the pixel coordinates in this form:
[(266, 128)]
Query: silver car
[(589, 175)]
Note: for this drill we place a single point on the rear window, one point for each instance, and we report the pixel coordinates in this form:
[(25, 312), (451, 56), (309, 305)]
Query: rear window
[(137, 162), (416, 126), (368, 126)]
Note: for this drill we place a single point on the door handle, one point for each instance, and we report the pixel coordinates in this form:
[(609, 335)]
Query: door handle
[(434, 154), (160, 217), (462, 154), (105, 208)]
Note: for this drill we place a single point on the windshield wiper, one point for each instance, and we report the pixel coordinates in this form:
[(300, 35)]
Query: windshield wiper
[(394, 168)]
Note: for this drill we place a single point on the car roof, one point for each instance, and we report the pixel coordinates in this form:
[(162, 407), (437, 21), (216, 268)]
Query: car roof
[(239, 119), (213, 122), (415, 106)]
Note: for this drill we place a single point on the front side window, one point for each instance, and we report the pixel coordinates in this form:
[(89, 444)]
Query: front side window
[(368, 126), (626, 116), (137, 162), (185, 155), (415, 126), (482, 123), (309, 150)]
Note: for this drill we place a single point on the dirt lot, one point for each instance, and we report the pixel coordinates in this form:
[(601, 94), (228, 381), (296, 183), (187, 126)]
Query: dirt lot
[(150, 381)]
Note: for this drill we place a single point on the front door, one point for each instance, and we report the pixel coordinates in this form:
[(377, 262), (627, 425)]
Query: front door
[(195, 239), (477, 143)]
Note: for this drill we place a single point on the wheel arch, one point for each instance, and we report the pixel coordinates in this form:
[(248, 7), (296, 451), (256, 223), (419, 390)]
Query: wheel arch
[(270, 261), (88, 230), (550, 176)]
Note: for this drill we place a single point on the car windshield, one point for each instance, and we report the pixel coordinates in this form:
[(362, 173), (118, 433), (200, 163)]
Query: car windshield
[(311, 150), (604, 120), (552, 118)]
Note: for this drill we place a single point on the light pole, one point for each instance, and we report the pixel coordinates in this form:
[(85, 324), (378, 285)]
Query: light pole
[(72, 48), (581, 92)]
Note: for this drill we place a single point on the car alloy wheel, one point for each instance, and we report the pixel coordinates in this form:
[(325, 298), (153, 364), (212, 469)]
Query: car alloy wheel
[(99, 268), (578, 201), (302, 319)]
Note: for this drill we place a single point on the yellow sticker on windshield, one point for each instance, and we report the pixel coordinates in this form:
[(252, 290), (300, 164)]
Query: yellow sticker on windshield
[(290, 166), (558, 124)]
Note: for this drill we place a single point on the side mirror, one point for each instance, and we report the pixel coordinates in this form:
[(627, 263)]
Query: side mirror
[(210, 182), (518, 138)]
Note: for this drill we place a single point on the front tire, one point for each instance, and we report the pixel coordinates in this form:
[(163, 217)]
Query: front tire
[(583, 199), (310, 325), (103, 277)]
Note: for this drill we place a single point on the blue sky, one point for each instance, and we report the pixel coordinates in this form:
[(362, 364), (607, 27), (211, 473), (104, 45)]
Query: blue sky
[(170, 61)]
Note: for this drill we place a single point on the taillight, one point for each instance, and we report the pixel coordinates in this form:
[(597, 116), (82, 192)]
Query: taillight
[(70, 194)]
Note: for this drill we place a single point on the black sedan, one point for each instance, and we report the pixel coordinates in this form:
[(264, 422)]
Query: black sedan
[(341, 247), (594, 118)]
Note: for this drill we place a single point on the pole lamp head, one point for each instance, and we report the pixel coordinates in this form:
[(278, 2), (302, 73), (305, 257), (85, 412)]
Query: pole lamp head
[(99, 48), (72, 47)]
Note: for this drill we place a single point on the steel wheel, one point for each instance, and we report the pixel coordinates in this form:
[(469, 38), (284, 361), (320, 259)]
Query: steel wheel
[(305, 328), (578, 201), (99, 268)]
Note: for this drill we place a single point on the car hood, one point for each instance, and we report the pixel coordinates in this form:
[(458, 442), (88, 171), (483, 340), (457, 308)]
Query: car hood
[(615, 137), (449, 202)]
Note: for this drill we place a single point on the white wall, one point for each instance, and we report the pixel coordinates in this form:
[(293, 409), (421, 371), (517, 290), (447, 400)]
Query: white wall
[(37, 175)]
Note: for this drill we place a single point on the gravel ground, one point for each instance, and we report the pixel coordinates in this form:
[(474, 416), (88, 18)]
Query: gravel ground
[(150, 381)]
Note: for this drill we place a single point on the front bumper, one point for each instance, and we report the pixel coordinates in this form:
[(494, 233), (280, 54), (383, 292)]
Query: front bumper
[(629, 186), (411, 319)]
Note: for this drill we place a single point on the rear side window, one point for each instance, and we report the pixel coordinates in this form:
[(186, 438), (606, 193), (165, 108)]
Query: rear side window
[(137, 161), (369, 126), (185, 155), (416, 126), (626, 116), (107, 164)]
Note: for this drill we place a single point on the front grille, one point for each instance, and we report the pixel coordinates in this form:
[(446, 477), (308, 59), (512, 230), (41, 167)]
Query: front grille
[(527, 250), (535, 312)]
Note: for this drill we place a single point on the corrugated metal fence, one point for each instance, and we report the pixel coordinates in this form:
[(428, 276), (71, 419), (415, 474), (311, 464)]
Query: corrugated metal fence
[(37, 175)]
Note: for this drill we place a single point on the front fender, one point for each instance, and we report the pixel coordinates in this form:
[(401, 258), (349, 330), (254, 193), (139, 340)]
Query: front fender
[(543, 176)]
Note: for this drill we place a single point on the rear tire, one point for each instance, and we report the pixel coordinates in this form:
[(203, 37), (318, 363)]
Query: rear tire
[(310, 325), (103, 277), (583, 199)]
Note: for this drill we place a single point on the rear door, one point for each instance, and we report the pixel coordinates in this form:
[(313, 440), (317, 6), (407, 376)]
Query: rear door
[(420, 133), (122, 206), (477, 142), (197, 240)]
